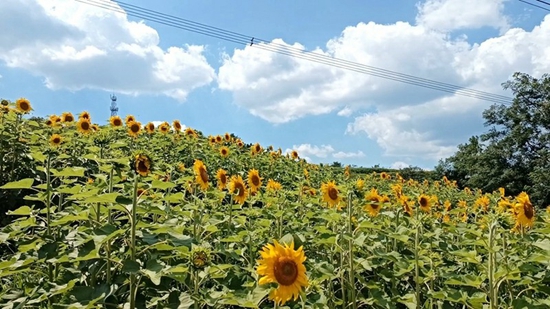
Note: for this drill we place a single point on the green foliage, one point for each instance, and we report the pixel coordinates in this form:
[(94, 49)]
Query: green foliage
[(515, 152)]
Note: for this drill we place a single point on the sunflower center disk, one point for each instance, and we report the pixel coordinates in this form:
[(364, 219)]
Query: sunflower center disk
[(332, 193), (204, 175), (240, 189), (286, 272), (255, 180), (142, 167), (528, 210)]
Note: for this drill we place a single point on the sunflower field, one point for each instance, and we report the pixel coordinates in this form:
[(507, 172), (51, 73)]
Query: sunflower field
[(130, 215)]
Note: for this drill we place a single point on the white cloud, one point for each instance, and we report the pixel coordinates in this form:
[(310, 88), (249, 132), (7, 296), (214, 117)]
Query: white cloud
[(399, 165), (311, 150), (347, 155), (345, 112), (75, 46), (404, 120), (448, 15)]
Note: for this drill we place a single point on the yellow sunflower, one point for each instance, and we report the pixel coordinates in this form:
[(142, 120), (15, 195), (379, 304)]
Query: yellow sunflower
[(177, 125), (238, 187), (360, 184), (347, 171), (164, 128), (211, 140), (23, 105), (115, 121), (84, 126), (49, 122), (67, 117), (273, 185), (221, 176), (85, 115), (95, 127), (374, 203), (425, 203), (294, 154), (285, 266), (190, 132), (227, 137), (240, 144), (224, 151), (255, 149), (219, 139), (55, 140), (525, 213), (330, 193), (482, 202), (201, 174), (130, 118), (142, 164), (150, 128), (254, 180), (134, 128)]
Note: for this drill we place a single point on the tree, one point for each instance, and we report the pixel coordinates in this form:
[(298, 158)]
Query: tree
[(515, 152)]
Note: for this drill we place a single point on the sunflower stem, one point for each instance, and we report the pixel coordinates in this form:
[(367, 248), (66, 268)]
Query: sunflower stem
[(111, 174), (351, 270), (416, 260), (491, 268), (133, 287), (48, 210)]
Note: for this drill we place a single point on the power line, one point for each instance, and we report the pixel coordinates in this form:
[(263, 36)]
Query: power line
[(535, 5), (255, 42)]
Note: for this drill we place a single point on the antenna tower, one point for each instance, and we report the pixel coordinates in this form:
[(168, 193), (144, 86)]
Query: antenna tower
[(114, 107)]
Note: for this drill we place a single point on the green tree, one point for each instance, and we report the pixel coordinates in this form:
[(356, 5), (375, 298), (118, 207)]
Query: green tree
[(515, 152)]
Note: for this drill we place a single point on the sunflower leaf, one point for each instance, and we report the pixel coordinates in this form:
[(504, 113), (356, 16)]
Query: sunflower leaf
[(20, 184)]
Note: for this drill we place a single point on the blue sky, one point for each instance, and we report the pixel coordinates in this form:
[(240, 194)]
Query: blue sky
[(70, 56)]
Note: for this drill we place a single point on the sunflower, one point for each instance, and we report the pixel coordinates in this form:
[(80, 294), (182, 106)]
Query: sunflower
[(385, 175), (294, 154), (134, 128), (221, 176), (23, 105), (347, 171), (238, 187), (502, 191), (181, 167), (482, 202), (330, 193), (224, 151), (190, 132), (85, 115), (177, 125), (255, 149), (525, 213), (227, 137), (84, 126), (211, 140), (199, 258), (115, 121), (95, 127), (164, 127), (67, 117), (142, 164), (425, 202), (254, 180), (374, 202), (240, 144), (283, 265), (150, 128), (201, 174), (218, 139), (130, 118), (55, 140), (273, 185)]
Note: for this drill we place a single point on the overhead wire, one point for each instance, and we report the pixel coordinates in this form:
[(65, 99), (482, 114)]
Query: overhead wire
[(241, 39), (535, 5)]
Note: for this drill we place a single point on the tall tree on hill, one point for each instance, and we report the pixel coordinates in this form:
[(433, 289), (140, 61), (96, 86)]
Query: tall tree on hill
[(515, 152)]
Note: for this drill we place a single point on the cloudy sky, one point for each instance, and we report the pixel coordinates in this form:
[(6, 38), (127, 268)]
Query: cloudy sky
[(65, 55)]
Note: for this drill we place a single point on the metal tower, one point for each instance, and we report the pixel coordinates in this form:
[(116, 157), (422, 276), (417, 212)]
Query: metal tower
[(114, 108)]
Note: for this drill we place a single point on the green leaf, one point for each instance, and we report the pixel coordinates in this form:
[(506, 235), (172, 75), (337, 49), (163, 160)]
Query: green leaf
[(157, 184), (21, 211), (102, 198), (129, 266), (20, 184), (70, 172), (70, 218)]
